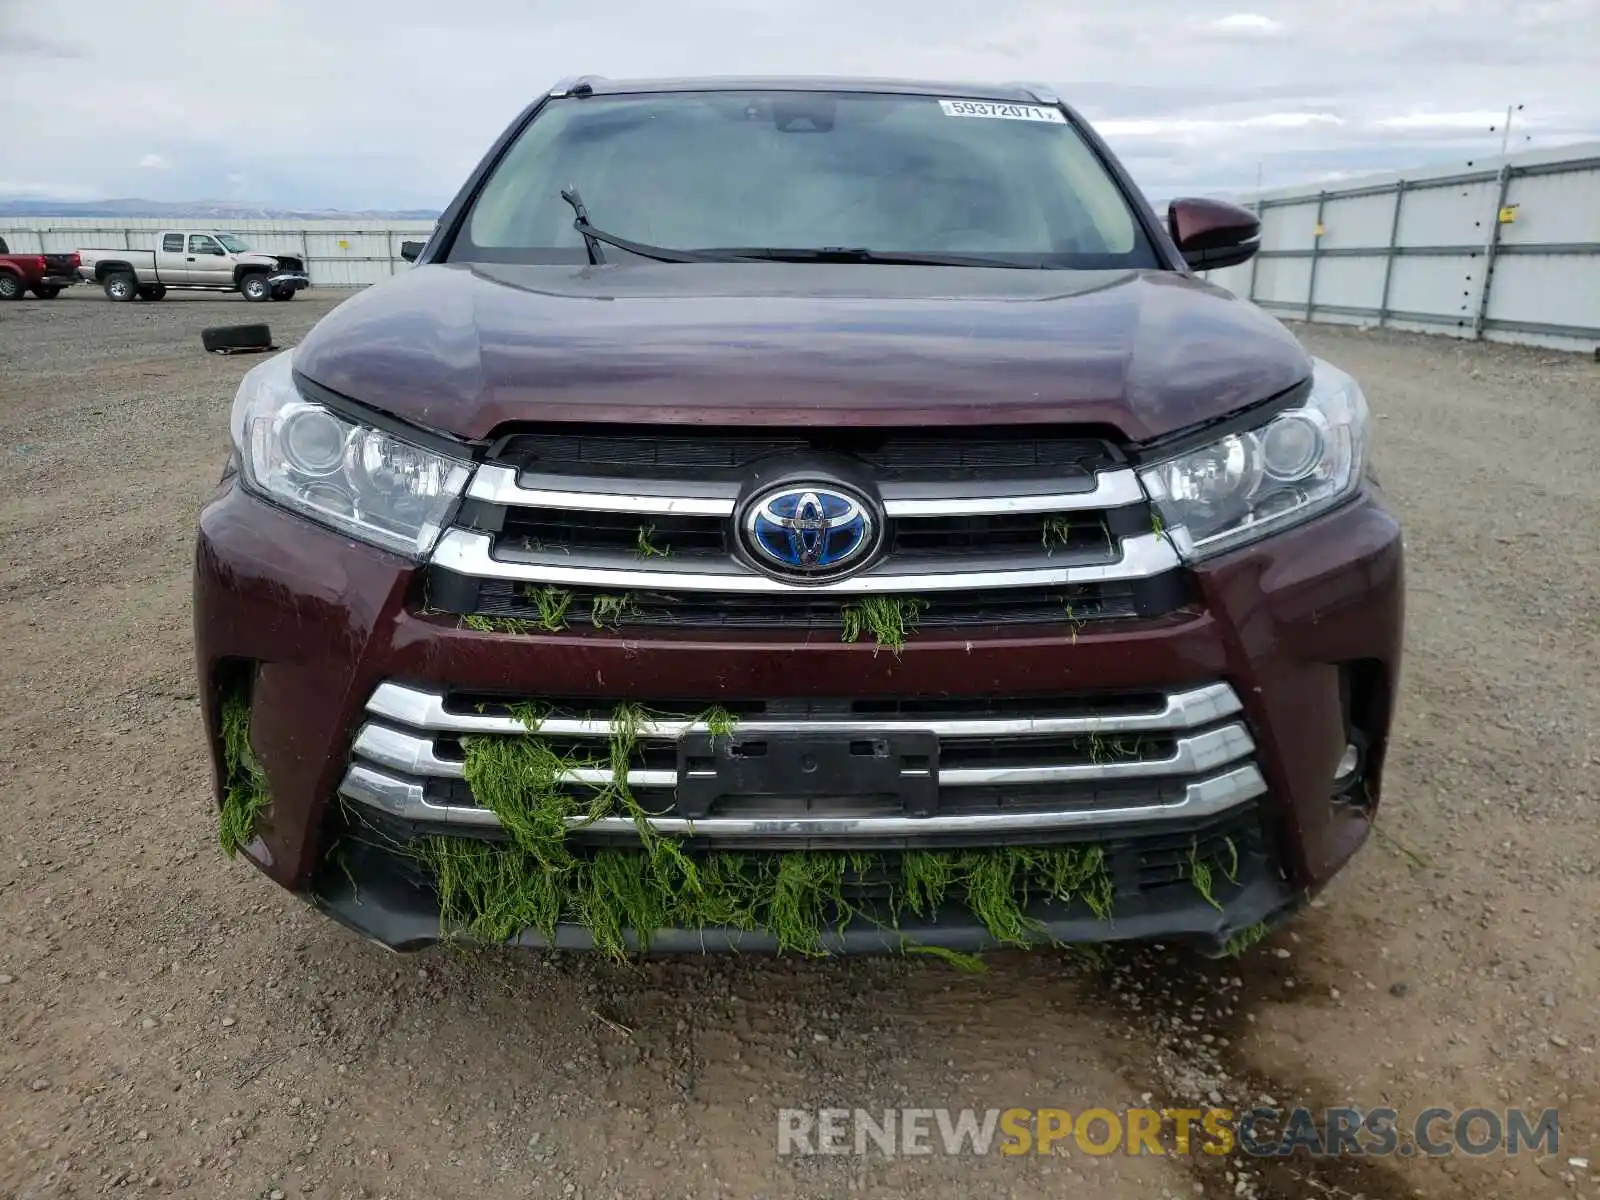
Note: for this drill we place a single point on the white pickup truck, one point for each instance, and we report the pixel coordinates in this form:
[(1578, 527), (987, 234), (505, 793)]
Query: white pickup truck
[(203, 259)]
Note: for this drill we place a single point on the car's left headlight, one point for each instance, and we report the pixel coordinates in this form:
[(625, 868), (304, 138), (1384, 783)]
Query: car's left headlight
[(1248, 484), (363, 481)]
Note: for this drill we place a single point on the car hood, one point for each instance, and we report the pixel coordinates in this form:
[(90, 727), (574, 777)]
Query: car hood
[(464, 349)]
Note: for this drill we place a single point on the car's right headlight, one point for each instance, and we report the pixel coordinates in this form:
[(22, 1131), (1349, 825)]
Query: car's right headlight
[(1246, 485), (362, 481)]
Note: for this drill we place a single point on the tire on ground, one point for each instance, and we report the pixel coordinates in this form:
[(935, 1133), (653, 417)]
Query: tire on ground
[(236, 337), (11, 286), (47, 293), (283, 293), (121, 286), (255, 288), (153, 291)]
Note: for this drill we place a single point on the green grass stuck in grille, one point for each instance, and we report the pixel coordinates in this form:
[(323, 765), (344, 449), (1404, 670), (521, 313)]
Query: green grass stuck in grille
[(244, 795), (539, 879), (887, 620), (493, 891)]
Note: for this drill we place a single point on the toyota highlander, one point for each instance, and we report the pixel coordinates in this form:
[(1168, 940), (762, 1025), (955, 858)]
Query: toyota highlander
[(807, 516)]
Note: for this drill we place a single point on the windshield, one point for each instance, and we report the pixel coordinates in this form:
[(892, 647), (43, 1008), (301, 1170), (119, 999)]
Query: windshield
[(806, 170), (232, 244)]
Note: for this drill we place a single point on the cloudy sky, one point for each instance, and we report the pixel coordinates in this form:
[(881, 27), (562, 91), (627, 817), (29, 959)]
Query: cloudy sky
[(388, 103)]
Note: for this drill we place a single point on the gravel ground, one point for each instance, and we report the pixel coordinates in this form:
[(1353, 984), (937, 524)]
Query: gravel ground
[(174, 1025)]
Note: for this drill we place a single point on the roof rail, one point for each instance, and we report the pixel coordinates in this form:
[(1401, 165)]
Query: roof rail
[(576, 85), (1043, 93)]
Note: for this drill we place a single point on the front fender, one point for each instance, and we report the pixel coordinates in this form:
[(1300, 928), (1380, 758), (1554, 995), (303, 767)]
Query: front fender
[(240, 270)]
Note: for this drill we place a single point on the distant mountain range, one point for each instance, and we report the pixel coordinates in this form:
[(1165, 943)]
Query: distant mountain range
[(196, 210)]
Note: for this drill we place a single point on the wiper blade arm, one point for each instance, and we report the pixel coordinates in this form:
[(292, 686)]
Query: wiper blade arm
[(592, 238), (591, 244)]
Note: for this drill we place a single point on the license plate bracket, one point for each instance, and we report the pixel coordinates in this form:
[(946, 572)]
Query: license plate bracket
[(902, 766)]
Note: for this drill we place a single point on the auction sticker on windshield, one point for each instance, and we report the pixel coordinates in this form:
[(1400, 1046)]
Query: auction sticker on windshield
[(1003, 112)]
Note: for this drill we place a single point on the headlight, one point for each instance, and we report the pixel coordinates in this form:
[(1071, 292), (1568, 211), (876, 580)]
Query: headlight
[(1247, 484), (362, 481)]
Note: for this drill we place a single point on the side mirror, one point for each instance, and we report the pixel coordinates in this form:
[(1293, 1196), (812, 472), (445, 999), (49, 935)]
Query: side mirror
[(1213, 233), (411, 251)]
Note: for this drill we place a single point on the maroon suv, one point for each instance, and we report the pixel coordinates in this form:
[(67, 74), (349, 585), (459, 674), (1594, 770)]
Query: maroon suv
[(785, 514)]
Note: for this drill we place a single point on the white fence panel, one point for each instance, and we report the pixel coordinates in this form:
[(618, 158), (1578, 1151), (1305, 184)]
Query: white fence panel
[(1530, 289), (1438, 286), (1508, 249), (1346, 282), (1553, 209), (1355, 222), (1282, 281), (1447, 216), (1290, 226)]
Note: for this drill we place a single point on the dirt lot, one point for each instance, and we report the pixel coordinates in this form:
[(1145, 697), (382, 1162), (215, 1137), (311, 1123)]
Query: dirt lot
[(173, 1025)]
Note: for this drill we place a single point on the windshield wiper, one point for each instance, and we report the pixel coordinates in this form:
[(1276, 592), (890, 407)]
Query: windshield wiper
[(860, 254), (592, 238), (591, 244)]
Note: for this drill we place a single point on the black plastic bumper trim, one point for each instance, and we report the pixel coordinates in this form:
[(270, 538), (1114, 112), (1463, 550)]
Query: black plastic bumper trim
[(402, 915)]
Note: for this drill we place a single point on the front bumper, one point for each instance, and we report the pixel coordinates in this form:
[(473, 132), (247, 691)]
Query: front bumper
[(315, 623), (373, 893), (290, 280)]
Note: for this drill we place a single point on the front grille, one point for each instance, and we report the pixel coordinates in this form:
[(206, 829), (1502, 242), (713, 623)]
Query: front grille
[(566, 532), (657, 538), (982, 527), (1063, 607), (1051, 768), (672, 454)]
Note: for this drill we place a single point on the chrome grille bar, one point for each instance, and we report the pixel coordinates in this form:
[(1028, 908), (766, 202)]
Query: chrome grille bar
[(502, 485), (1204, 798), (1192, 755), (469, 552), (427, 710), (1205, 758)]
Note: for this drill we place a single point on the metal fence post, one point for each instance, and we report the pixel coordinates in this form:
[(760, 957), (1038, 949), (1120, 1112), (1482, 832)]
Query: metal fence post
[(1392, 252), (1255, 259), (1316, 244), (1490, 246)]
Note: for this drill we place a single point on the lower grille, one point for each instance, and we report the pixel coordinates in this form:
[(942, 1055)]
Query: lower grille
[(1061, 607), (1068, 769), (1145, 864)]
